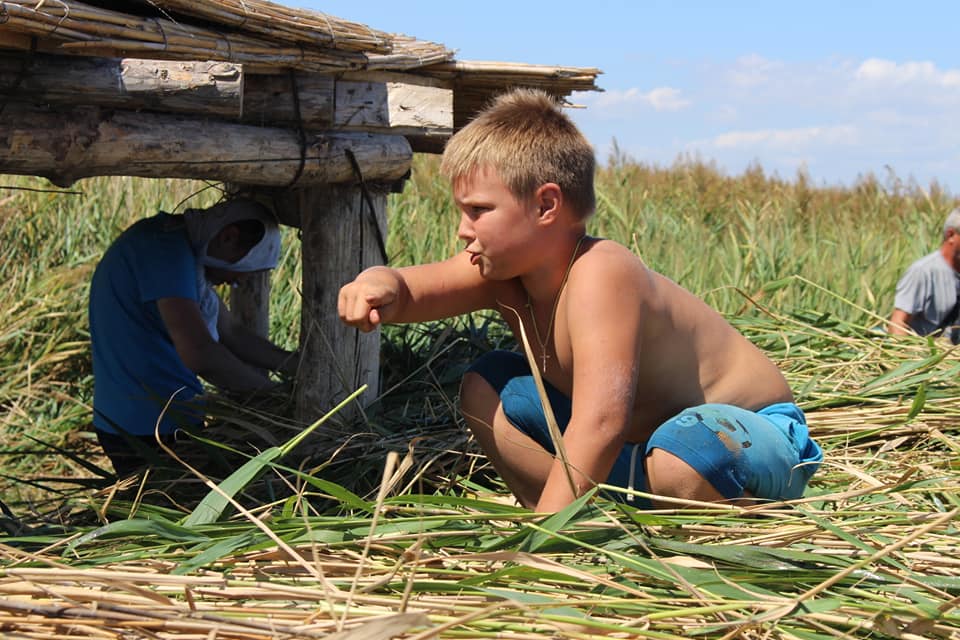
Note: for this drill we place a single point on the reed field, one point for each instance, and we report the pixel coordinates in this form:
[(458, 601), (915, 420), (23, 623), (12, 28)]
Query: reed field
[(396, 527)]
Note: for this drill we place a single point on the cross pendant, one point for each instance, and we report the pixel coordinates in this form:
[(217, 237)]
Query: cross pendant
[(544, 357)]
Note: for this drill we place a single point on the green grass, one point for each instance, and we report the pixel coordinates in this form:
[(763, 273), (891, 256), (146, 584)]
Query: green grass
[(361, 524)]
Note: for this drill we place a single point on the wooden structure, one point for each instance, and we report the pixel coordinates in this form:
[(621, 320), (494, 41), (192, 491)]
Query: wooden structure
[(318, 114)]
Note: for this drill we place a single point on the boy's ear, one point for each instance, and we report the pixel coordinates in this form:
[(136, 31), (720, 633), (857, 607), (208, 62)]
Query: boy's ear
[(549, 199)]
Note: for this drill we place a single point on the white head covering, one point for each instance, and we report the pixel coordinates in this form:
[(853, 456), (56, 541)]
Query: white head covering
[(952, 222), (204, 224)]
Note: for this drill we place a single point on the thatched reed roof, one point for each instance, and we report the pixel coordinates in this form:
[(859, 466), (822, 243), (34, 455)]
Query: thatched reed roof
[(260, 33)]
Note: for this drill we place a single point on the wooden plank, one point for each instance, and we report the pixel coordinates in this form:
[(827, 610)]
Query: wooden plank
[(339, 239), (66, 144), (402, 108)]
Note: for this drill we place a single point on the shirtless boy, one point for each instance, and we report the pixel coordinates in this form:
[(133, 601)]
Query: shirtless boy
[(653, 390)]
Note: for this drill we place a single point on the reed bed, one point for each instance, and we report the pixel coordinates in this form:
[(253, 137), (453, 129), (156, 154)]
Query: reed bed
[(278, 22), (396, 527)]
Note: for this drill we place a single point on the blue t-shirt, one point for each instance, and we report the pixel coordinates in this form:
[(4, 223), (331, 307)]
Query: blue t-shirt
[(136, 368)]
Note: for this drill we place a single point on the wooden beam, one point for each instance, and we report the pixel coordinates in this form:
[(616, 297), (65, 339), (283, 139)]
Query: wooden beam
[(377, 103), (66, 144), (339, 235), (209, 88)]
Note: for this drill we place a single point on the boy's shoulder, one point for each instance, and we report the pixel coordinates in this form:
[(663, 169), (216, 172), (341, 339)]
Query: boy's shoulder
[(607, 262)]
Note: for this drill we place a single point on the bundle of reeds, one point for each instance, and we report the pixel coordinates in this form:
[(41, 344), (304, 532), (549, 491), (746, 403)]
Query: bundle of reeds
[(409, 54), (79, 28)]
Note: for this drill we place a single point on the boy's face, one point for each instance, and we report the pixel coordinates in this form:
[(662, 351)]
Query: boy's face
[(496, 227)]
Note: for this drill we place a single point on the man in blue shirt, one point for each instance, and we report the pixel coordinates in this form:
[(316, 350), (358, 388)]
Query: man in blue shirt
[(928, 294), (156, 323)]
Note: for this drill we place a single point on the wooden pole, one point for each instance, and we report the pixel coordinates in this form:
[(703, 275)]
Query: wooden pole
[(339, 233), (250, 302), (250, 298)]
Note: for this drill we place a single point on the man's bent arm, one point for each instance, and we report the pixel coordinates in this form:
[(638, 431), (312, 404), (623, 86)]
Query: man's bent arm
[(252, 348), (206, 357), (898, 324)]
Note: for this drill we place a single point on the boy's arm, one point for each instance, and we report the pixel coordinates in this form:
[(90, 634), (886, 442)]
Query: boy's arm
[(414, 294), (605, 325)]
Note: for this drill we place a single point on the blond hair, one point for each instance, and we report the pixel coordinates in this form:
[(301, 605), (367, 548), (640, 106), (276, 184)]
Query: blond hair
[(525, 137)]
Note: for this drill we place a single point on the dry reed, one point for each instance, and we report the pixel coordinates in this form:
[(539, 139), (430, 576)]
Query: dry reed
[(78, 28)]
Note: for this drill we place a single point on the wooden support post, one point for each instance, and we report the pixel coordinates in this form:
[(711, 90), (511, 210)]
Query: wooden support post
[(250, 298), (339, 235)]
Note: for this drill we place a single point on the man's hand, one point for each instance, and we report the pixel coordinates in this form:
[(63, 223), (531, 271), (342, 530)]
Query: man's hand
[(369, 300), (290, 365), (213, 361), (898, 325)]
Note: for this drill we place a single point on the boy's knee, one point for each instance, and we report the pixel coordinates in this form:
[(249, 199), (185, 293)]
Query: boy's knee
[(670, 476), (477, 397)]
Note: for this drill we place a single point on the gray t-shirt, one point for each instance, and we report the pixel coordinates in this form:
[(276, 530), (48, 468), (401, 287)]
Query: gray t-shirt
[(928, 291)]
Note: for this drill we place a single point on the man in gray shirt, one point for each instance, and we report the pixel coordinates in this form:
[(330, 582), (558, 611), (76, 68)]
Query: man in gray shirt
[(928, 294)]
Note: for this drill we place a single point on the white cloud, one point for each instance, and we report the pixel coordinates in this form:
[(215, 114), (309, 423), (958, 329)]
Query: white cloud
[(887, 72), (786, 138), (666, 99), (724, 113), (660, 99), (754, 70), (837, 117)]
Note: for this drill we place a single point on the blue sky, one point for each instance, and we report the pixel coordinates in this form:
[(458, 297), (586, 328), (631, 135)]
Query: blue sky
[(837, 89)]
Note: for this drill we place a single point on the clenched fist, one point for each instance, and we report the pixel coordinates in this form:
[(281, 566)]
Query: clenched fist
[(368, 301)]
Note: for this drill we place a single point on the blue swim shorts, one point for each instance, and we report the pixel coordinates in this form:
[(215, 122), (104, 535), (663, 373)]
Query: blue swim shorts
[(768, 453)]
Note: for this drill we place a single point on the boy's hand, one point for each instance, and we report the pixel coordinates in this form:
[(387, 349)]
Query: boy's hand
[(366, 302)]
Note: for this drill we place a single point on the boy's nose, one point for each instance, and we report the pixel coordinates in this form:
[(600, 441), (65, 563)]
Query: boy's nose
[(465, 229)]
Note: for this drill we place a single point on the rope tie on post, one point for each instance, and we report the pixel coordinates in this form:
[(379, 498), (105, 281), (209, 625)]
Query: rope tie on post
[(368, 201), (301, 134)]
